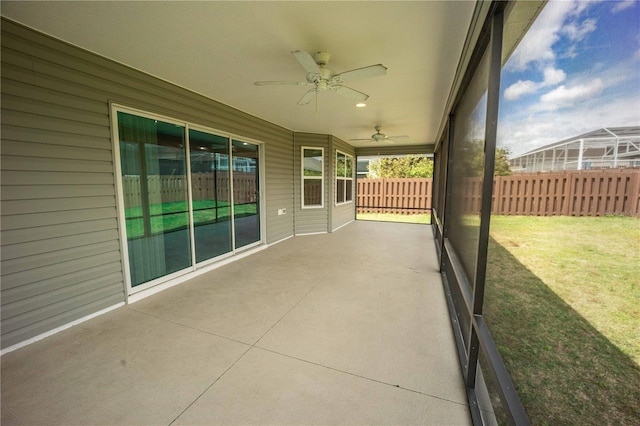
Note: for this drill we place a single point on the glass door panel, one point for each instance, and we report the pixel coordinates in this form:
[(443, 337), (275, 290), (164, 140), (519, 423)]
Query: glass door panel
[(153, 163), (246, 204), (210, 194)]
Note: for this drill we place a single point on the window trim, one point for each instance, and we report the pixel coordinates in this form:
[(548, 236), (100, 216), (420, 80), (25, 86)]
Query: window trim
[(344, 178), (303, 178)]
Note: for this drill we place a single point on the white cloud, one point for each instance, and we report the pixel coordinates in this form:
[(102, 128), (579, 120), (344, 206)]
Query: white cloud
[(564, 96), (516, 90), (552, 76), (544, 33), (623, 5), (533, 131), (576, 31), (557, 20)]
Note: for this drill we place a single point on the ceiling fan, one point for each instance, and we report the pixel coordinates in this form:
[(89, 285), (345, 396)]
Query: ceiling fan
[(323, 79), (381, 137)]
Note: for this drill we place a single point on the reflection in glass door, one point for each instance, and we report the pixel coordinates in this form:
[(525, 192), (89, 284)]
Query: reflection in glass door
[(182, 207), (211, 199), (153, 164), (246, 204)]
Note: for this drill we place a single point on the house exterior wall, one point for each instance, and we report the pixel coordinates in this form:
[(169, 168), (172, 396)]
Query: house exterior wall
[(311, 220), (342, 214), (61, 258)]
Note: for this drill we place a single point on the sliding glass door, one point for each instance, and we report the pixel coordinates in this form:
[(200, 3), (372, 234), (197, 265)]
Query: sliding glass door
[(153, 164), (211, 199), (246, 205), (189, 195)]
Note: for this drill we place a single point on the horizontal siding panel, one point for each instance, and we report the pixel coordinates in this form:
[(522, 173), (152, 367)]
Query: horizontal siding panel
[(30, 92), (61, 139), (24, 306), (40, 164), (17, 73), (54, 231), (29, 149), (12, 323), (58, 204), (55, 191), (57, 273), (55, 178), (34, 121), (55, 218), (15, 57), (55, 110), (32, 248), (22, 264), (58, 314), (100, 273)]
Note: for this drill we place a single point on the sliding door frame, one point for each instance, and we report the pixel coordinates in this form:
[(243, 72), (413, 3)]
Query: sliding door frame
[(119, 194)]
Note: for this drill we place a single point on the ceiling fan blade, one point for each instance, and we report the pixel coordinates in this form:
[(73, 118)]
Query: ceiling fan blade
[(306, 98), (282, 83), (307, 62), (370, 71), (398, 137), (364, 140), (350, 93)]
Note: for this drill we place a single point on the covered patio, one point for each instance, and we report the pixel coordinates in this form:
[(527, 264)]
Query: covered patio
[(349, 327)]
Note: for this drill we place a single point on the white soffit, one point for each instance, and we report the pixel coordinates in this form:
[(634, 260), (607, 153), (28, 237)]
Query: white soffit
[(219, 48)]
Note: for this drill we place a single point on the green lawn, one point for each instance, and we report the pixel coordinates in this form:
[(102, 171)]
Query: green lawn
[(388, 217), (173, 216), (563, 304)]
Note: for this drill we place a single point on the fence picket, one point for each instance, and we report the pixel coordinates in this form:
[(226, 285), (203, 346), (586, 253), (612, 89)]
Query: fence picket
[(570, 193)]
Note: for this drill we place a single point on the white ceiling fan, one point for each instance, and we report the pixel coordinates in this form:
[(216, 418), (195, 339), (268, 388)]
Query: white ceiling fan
[(381, 137), (323, 79)]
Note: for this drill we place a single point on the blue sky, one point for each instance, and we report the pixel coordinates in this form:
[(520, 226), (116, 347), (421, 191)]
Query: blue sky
[(576, 70)]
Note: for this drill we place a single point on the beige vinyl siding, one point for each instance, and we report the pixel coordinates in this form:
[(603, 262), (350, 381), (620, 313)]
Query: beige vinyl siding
[(311, 220), (395, 150), (61, 257), (343, 213), (279, 190)]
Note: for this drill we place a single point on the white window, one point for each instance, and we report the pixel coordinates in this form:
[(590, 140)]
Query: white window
[(344, 178), (312, 177)]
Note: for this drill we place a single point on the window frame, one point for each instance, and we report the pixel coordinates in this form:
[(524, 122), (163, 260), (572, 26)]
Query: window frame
[(303, 178), (344, 179)]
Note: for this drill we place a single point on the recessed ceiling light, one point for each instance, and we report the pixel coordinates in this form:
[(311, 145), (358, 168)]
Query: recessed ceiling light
[(361, 105)]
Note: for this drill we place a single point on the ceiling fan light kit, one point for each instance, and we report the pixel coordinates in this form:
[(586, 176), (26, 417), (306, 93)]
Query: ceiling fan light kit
[(324, 79), (378, 136)]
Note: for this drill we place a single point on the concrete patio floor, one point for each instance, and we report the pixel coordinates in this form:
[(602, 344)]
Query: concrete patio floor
[(343, 328)]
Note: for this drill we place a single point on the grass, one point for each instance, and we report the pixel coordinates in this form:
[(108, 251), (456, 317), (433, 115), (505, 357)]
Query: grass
[(388, 217), (563, 305), (167, 217)]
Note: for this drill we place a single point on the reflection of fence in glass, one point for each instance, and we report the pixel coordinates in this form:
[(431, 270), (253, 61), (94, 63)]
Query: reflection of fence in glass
[(205, 187), (312, 192), (569, 193)]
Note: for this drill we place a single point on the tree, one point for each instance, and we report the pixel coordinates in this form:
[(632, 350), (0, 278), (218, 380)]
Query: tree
[(472, 160), (502, 162), (411, 166)]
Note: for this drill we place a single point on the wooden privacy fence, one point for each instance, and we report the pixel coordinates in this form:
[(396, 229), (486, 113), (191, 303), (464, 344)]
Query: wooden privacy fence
[(206, 186), (571, 193), (566, 193), (397, 196)]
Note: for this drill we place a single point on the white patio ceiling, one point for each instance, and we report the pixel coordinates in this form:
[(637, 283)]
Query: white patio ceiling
[(219, 48)]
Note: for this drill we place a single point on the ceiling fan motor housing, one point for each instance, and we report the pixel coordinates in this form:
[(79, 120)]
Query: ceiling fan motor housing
[(321, 58)]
